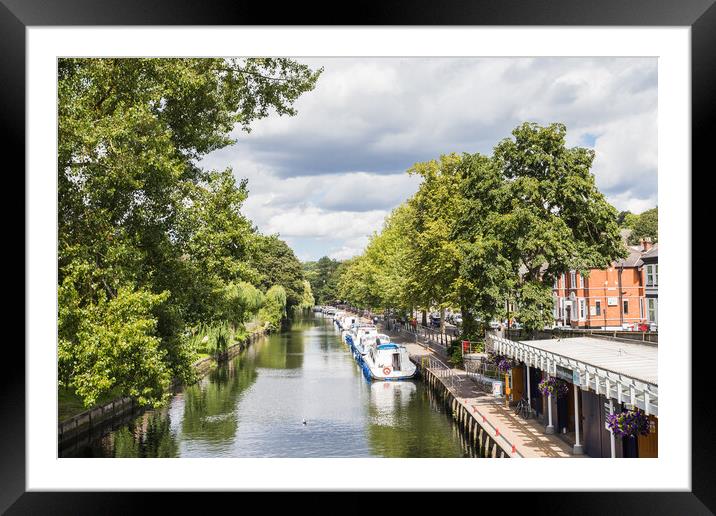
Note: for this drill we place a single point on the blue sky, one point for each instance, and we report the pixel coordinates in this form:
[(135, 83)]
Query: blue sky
[(325, 179)]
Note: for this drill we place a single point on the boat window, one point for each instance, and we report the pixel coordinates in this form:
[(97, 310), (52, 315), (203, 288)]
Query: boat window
[(396, 362)]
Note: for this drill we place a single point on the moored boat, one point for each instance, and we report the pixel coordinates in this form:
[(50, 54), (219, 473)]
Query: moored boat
[(345, 322), (387, 362), (358, 337)]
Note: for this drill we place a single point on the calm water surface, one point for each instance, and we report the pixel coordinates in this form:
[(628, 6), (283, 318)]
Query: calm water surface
[(255, 405)]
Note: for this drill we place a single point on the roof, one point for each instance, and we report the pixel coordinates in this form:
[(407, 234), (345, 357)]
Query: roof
[(652, 254), (638, 361), (633, 259)]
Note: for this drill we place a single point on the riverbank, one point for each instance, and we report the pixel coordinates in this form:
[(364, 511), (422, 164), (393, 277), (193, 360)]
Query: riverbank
[(88, 423), (496, 431)]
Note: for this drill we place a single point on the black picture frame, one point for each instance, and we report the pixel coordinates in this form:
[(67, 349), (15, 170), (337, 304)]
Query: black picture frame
[(700, 15)]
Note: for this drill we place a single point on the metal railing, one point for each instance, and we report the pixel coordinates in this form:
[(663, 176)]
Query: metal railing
[(562, 333), (451, 379), (441, 370), (424, 333)]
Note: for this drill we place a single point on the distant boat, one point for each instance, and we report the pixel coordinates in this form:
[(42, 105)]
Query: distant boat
[(344, 323)]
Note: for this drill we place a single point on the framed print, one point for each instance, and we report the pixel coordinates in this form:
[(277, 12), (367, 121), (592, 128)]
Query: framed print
[(271, 251)]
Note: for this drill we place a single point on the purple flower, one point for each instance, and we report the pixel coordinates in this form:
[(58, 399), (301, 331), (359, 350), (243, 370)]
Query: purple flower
[(553, 386), (503, 363), (629, 423)]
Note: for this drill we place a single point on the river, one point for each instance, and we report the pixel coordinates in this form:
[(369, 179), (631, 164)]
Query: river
[(256, 404)]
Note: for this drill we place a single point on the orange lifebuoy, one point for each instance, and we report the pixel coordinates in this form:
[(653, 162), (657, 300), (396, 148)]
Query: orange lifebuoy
[(386, 371)]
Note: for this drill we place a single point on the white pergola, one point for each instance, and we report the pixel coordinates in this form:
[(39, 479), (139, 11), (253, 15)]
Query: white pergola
[(623, 371)]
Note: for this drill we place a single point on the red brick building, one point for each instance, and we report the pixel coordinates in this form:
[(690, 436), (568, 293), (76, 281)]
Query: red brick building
[(613, 298)]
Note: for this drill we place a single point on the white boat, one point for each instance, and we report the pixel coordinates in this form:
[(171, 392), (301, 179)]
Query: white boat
[(354, 336), (366, 336), (387, 362), (345, 322)]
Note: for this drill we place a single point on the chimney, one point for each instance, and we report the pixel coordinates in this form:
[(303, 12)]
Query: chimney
[(645, 244)]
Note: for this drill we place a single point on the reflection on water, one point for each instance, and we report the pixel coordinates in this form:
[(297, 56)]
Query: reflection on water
[(255, 406)]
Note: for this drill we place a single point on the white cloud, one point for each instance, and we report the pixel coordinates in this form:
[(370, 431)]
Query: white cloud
[(337, 167), (354, 248)]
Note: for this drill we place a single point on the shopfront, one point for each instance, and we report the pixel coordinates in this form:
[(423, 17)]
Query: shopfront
[(599, 383)]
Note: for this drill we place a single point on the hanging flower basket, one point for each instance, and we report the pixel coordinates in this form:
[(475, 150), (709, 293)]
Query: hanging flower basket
[(553, 386), (629, 423), (501, 362)]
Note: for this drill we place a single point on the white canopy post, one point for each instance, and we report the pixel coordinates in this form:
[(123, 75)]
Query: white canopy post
[(577, 450)]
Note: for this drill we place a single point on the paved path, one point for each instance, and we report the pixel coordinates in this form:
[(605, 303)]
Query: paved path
[(527, 435)]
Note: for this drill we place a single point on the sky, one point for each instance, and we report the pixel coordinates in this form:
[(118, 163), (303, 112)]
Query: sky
[(325, 179)]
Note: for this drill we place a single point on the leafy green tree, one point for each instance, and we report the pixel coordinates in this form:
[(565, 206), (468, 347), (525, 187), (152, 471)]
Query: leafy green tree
[(277, 264), (321, 273), (435, 254), (542, 215), (357, 283), (330, 290), (307, 300), (111, 344), (136, 214), (242, 301), (274, 308), (645, 225), (626, 219)]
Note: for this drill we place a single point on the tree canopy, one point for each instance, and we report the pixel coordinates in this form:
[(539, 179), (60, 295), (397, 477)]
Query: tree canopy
[(150, 244), (483, 230), (645, 225)]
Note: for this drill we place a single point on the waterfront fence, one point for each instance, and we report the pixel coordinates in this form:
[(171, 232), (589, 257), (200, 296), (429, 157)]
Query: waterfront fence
[(427, 334), (650, 337)]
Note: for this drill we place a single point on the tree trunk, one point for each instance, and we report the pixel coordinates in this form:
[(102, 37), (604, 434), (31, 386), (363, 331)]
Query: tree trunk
[(425, 318), (442, 320), (469, 327)]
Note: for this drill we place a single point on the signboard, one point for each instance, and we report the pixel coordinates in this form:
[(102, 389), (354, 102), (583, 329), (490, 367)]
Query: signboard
[(564, 374), (612, 301), (497, 389), (592, 310)]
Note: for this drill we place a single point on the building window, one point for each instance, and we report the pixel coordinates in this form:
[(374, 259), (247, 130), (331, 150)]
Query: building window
[(582, 309), (598, 307), (572, 279), (652, 275), (626, 306), (581, 281), (652, 309)]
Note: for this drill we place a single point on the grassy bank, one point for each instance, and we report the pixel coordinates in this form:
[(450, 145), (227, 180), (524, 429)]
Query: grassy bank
[(204, 341), (70, 404)]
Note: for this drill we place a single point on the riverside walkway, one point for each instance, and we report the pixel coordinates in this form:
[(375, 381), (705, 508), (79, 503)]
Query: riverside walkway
[(520, 437)]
